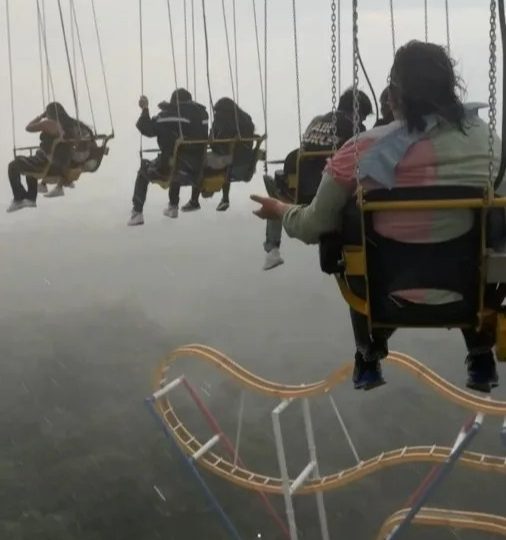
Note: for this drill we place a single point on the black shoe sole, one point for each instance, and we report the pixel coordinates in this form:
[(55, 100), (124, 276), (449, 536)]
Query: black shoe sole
[(485, 388)]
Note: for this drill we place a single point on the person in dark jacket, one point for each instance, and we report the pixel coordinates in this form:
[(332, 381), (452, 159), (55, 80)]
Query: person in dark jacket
[(229, 122), (181, 118), (319, 136), (387, 115), (80, 153), (54, 123)]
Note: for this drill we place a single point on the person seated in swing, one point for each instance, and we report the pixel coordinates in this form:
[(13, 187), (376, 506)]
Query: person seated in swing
[(180, 118), (317, 137), (229, 122), (53, 124), (82, 151), (387, 115), (435, 140)]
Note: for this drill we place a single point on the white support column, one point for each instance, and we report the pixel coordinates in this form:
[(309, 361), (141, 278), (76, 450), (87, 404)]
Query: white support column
[(320, 503), (167, 388), (205, 447), (280, 449)]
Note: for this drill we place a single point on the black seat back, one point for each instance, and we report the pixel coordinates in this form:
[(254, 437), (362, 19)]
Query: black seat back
[(452, 265)]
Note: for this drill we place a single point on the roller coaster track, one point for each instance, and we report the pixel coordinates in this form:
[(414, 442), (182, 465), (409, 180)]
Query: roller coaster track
[(447, 518), (252, 480)]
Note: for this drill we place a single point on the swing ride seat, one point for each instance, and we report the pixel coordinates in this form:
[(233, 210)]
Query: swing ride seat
[(370, 268), (53, 173), (187, 175), (214, 179), (290, 187), (210, 180)]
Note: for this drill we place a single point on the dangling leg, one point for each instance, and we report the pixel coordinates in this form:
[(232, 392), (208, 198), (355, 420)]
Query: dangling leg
[(193, 204), (140, 194), (225, 197), (273, 232), (370, 351), (18, 191), (174, 189), (481, 365), (31, 193)]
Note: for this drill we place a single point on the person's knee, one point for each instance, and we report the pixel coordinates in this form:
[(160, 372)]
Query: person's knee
[(13, 167)]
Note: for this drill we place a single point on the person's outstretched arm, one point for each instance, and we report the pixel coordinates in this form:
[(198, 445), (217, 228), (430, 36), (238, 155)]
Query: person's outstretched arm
[(308, 223)]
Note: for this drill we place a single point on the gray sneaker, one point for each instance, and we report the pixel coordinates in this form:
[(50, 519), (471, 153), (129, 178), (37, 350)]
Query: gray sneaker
[(136, 218), (171, 211)]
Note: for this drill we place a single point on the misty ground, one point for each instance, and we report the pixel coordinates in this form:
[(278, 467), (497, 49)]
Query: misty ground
[(89, 308)]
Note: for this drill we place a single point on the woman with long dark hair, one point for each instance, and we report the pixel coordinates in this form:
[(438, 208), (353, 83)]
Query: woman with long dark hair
[(54, 123), (435, 140)]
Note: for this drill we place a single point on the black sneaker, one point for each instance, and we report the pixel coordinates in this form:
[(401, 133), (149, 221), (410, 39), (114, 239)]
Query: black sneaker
[(190, 206), (481, 372), (367, 375), (223, 206)]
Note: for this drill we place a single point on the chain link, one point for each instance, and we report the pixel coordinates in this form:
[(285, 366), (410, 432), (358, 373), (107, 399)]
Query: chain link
[(492, 88), (356, 112), (334, 78)]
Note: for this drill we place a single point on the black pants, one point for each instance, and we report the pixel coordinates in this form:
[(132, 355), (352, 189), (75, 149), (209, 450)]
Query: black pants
[(175, 188), (23, 165), (375, 346), (225, 191), (148, 171)]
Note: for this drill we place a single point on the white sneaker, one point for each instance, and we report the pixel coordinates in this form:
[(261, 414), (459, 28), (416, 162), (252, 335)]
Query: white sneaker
[(42, 188), (273, 259), (171, 211), (19, 205), (136, 219), (56, 192)]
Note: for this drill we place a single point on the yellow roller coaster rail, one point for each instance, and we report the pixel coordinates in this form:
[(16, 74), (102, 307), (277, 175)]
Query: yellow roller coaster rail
[(248, 479), (440, 517)]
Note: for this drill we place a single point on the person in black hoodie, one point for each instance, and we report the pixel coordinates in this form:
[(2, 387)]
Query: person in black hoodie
[(231, 121), (181, 118), (318, 136)]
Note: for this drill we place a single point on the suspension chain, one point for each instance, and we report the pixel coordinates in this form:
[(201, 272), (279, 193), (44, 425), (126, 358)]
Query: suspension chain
[(334, 79), (492, 88), (356, 112)]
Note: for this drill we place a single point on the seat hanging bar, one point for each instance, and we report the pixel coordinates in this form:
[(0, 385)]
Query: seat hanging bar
[(102, 64), (11, 82), (69, 64), (83, 62), (297, 74)]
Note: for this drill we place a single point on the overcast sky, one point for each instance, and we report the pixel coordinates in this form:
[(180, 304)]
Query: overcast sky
[(119, 25)]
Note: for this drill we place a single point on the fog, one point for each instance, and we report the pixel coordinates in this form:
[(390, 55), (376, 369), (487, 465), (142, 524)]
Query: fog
[(89, 306)]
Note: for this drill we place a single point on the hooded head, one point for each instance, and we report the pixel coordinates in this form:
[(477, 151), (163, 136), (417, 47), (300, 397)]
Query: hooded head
[(180, 95), (225, 104)]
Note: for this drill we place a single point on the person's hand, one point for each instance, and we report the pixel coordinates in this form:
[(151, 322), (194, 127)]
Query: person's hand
[(270, 208), (143, 102)]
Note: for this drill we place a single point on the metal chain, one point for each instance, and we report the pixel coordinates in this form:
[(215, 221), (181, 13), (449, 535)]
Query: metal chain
[(339, 48), (392, 25), (334, 91), (492, 88), (356, 112)]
